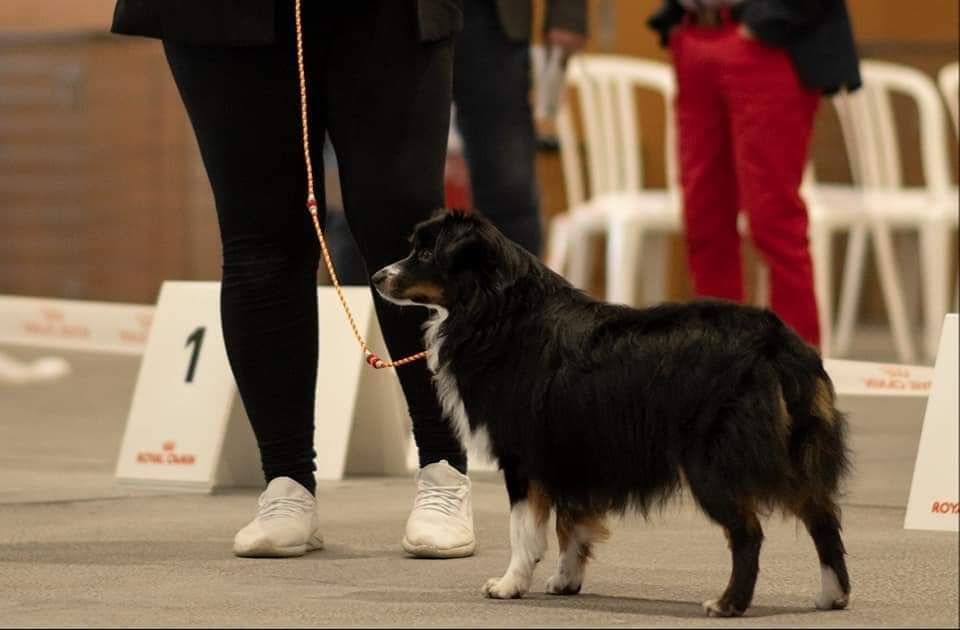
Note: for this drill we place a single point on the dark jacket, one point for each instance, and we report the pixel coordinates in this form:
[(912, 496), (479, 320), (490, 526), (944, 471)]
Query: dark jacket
[(516, 17), (247, 22), (815, 33)]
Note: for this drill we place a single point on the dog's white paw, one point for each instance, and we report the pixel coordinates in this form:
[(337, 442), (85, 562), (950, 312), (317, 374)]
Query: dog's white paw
[(831, 595), (831, 601), (717, 608), (505, 587), (562, 585)]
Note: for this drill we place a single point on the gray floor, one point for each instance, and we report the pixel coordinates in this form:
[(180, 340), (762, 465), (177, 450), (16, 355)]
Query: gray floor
[(75, 549)]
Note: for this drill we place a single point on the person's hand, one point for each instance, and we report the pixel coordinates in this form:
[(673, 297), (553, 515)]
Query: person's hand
[(568, 41), (745, 31)]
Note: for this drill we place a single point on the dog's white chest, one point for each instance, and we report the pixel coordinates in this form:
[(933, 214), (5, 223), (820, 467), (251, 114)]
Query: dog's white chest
[(446, 385)]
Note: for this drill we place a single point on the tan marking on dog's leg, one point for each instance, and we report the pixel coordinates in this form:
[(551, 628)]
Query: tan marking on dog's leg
[(528, 542), (540, 503), (576, 534), (744, 543)]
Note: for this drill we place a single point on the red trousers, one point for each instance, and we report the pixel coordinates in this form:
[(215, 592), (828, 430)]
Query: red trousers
[(744, 122)]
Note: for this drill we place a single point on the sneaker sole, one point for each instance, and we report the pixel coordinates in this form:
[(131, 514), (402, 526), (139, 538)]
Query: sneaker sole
[(269, 551), (426, 551)]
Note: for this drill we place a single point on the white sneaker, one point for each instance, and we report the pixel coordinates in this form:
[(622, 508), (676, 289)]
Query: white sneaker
[(441, 523), (286, 524)]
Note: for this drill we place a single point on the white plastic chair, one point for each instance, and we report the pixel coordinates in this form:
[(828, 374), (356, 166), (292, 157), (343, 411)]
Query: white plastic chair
[(869, 126), (832, 209), (634, 218), (623, 208), (949, 80), (628, 212)]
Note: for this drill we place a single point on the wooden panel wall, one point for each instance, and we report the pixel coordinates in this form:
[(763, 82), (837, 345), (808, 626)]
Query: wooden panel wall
[(54, 16), (101, 189)]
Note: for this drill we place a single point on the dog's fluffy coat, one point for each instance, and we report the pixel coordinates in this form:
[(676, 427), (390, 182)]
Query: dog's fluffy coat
[(592, 408)]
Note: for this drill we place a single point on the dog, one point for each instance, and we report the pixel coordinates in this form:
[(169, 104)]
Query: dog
[(592, 408)]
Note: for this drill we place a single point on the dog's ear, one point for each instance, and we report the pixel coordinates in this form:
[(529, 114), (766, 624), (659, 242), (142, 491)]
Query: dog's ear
[(466, 245)]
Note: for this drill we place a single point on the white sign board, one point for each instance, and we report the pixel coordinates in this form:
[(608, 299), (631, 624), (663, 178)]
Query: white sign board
[(74, 325), (187, 429), (852, 380), (862, 378), (361, 420), (935, 492), (185, 398)]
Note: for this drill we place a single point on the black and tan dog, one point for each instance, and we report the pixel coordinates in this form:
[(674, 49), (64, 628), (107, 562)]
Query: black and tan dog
[(591, 408)]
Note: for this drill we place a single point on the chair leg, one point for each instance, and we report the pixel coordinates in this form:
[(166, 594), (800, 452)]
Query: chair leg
[(558, 240), (850, 291), (624, 243), (580, 254), (821, 251), (761, 290), (934, 263), (654, 265), (892, 293)]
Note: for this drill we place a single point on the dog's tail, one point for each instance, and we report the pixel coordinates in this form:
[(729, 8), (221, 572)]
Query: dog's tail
[(817, 440)]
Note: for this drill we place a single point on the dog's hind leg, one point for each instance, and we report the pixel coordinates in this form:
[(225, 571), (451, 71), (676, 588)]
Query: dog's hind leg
[(576, 534), (744, 536), (529, 512), (822, 519)]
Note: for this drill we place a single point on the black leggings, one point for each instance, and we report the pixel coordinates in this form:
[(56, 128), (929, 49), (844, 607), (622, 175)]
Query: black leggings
[(384, 98)]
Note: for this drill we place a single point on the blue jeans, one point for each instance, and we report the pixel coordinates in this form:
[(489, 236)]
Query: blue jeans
[(491, 89)]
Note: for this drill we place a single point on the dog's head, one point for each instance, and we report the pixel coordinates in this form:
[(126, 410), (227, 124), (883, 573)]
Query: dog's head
[(454, 256)]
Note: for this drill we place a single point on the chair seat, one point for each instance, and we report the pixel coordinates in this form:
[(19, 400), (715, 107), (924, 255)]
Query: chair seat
[(838, 204), (910, 207), (656, 209)]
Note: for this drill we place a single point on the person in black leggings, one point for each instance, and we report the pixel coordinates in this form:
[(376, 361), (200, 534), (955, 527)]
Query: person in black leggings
[(491, 93), (383, 94)]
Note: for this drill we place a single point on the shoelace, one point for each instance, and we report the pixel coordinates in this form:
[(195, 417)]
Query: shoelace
[(445, 499), (279, 507)]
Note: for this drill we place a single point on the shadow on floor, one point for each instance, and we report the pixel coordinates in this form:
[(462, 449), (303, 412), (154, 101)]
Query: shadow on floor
[(135, 552), (588, 601)]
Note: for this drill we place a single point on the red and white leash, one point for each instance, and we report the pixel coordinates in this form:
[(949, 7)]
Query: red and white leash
[(372, 359)]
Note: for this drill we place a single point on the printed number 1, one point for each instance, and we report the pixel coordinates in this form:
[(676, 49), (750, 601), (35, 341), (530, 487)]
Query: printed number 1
[(196, 338)]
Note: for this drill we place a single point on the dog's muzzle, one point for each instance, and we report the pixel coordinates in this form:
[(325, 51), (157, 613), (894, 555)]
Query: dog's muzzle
[(383, 280)]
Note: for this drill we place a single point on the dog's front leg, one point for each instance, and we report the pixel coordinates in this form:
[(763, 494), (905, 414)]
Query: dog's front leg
[(529, 513)]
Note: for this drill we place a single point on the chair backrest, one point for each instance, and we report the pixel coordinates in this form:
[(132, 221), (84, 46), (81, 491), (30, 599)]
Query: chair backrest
[(949, 80), (606, 90), (869, 127), (570, 162), (566, 134)]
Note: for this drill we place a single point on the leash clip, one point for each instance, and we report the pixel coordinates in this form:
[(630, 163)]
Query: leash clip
[(374, 361)]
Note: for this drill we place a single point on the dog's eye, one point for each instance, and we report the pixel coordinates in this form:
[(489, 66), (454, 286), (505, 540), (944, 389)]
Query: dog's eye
[(425, 255)]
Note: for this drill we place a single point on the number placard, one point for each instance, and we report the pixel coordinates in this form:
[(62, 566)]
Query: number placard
[(362, 421), (879, 380), (187, 429), (195, 338), (74, 324), (185, 398), (935, 492)]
